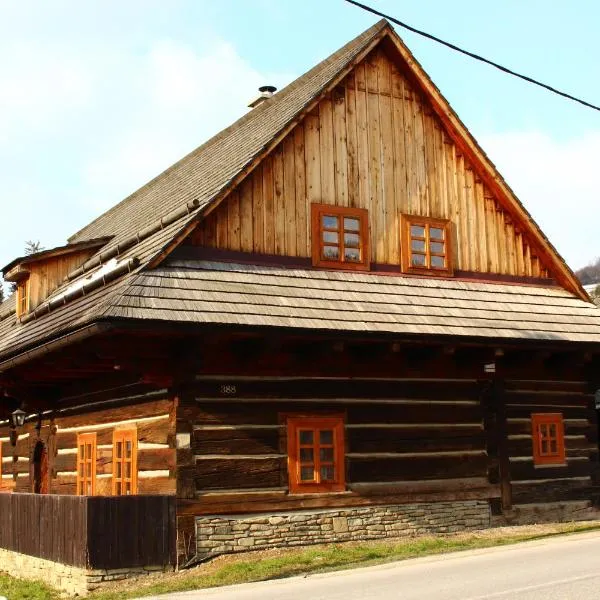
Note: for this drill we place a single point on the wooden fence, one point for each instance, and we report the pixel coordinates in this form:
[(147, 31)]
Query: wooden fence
[(92, 532)]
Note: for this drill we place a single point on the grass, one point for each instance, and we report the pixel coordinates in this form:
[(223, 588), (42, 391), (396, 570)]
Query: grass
[(276, 564), (318, 559), (17, 589)]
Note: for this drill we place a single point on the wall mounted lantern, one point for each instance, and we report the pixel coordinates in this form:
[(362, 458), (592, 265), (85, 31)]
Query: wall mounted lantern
[(18, 417)]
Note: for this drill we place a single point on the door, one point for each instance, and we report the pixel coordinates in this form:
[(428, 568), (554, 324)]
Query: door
[(40, 469)]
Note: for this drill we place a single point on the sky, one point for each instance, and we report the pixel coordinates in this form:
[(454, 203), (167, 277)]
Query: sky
[(98, 97)]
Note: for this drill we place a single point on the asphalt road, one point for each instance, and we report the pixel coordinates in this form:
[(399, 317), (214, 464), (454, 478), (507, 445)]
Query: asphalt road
[(561, 568)]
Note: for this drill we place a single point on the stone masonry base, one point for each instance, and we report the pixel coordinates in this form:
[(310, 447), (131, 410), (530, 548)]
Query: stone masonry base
[(549, 512), (241, 533), (74, 581)]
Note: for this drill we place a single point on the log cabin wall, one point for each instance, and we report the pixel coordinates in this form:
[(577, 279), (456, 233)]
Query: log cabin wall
[(153, 422), (373, 143), (531, 484), (406, 441)]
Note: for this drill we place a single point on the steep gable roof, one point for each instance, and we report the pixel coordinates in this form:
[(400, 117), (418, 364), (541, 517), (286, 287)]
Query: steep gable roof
[(209, 172), (137, 223), (152, 221)]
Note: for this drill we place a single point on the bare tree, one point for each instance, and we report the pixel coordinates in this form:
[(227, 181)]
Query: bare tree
[(590, 273), (32, 247)]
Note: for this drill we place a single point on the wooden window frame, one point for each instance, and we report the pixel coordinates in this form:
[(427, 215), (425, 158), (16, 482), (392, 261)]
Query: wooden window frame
[(86, 439), (539, 423), (320, 210), (295, 424), (406, 221), (122, 435), (23, 293)]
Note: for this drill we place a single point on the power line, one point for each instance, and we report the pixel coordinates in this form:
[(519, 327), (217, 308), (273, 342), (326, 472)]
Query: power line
[(475, 56)]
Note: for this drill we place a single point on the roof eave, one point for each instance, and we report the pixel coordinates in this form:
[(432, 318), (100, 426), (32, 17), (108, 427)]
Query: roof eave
[(52, 253)]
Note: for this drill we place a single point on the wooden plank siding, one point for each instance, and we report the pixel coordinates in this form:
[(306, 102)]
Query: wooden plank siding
[(373, 143), (156, 457), (47, 275), (405, 441), (96, 533)]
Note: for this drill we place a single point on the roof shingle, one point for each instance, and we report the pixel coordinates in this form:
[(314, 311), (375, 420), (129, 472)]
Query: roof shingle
[(253, 295)]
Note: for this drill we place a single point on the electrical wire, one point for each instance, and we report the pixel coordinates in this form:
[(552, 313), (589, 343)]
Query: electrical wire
[(473, 55)]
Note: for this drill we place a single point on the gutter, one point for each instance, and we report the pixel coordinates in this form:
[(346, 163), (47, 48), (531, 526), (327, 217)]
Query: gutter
[(65, 340), (85, 288), (131, 241)]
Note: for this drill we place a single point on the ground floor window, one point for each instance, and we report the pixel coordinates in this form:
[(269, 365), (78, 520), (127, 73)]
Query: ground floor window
[(124, 462), (548, 439), (316, 454), (86, 464)]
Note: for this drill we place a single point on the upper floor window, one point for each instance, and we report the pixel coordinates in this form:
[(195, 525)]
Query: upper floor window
[(23, 287), (316, 454), (86, 464), (426, 245), (547, 431), (340, 237), (125, 462)]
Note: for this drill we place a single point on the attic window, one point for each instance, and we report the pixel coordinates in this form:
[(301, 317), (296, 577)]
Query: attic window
[(23, 289), (340, 237), (426, 245)]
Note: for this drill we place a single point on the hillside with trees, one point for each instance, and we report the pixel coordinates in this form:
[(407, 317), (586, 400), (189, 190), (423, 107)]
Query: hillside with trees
[(590, 273)]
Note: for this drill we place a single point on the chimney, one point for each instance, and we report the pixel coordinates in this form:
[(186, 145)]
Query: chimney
[(266, 92)]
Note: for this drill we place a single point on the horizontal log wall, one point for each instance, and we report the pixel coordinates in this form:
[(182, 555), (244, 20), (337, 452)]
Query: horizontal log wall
[(155, 424), (373, 143), (541, 484), (406, 441)]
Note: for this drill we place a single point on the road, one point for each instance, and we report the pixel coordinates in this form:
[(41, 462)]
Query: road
[(561, 568)]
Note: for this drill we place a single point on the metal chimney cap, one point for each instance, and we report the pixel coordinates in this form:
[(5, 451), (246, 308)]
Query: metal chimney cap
[(266, 92)]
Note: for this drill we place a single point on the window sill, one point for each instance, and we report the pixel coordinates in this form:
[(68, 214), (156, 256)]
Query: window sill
[(333, 266), (320, 494), (430, 272), (550, 465)]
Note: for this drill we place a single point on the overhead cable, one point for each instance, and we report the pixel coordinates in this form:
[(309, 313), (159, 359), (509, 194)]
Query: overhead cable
[(474, 56)]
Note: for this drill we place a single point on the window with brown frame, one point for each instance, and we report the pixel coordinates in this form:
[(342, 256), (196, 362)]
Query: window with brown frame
[(340, 237), (316, 454), (86, 464), (124, 462), (426, 245), (23, 297), (547, 431)]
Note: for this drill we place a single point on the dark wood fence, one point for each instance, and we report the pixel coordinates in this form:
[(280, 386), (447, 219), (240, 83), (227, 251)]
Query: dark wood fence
[(93, 532)]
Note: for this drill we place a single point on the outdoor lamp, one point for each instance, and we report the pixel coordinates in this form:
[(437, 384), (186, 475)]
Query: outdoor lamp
[(18, 417)]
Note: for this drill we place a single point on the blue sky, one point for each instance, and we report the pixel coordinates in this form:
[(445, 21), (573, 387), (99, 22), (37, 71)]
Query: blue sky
[(98, 97)]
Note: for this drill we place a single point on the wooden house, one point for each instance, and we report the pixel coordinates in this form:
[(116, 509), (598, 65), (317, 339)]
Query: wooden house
[(334, 320)]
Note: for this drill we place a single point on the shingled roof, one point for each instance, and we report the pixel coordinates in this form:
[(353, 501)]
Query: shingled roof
[(194, 181), (146, 224), (206, 171), (202, 291)]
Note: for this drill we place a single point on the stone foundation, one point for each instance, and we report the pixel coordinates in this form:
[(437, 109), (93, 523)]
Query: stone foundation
[(240, 533), (550, 512), (74, 581)]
